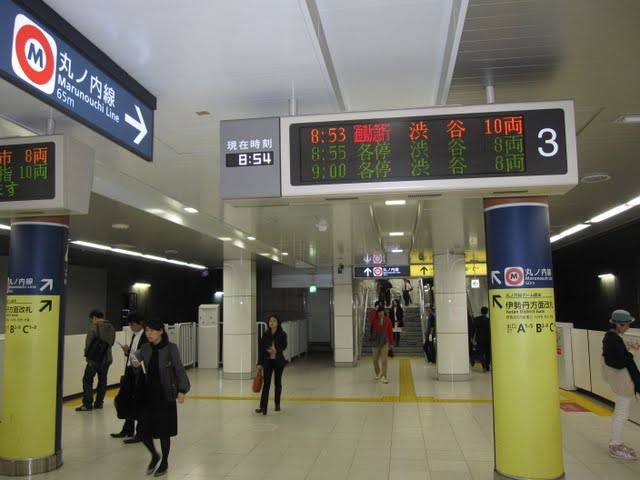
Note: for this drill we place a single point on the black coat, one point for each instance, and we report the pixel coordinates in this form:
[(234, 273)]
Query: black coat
[(279, 339), (617, 356), (397, 317)]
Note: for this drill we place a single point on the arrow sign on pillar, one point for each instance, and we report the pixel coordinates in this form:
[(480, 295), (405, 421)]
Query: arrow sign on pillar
[(367, 271), (137, 124), (46, 283), (496, 302), (494, 277), (46, 304)]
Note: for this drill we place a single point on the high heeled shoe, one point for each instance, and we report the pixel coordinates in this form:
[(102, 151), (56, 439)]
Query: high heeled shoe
[(152, 466), (261, 410)]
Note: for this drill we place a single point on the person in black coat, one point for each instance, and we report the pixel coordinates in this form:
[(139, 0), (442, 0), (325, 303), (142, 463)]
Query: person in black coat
[(136, 324), (165, 383), (482, 328), (396, 315), (271, 360)]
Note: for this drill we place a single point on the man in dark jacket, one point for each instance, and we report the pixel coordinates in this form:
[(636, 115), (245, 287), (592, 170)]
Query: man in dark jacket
[(136, 324), (482, 329), (103, 330)]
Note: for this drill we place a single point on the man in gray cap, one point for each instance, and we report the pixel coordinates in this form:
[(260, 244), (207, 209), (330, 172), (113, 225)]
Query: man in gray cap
[(621, 372)]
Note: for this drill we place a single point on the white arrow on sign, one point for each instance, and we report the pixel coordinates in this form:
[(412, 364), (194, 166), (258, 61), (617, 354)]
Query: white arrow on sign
[(494, 277), (367, 271), (47, 282), (137, 124)]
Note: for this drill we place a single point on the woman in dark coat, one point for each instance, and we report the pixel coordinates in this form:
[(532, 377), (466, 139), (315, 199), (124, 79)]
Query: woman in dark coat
[(165, 383), (396, 315), (271, 360)]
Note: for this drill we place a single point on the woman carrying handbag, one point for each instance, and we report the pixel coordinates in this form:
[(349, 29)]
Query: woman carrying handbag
[(271, 361)]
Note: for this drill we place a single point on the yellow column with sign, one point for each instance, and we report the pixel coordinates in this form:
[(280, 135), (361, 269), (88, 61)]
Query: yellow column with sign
[(524, 363), (27, 427), (525, 374)]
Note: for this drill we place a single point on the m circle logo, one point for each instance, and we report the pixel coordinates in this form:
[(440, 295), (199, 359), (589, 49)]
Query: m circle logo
[(33, 56), (514, 276)]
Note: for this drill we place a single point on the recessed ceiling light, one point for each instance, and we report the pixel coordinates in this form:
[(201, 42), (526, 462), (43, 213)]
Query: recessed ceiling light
[(396, 234), (250, 237), (284, 254), (120, 226), (396, 251), (203, 113), (628, 118), (190, 210), (595, 177), (224, 239), (4, 227), (395, 202)]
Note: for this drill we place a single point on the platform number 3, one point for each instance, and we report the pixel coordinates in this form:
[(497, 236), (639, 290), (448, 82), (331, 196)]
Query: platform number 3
[(550, 141)]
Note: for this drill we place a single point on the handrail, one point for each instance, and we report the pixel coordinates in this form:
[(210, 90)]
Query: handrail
[(262, 327)]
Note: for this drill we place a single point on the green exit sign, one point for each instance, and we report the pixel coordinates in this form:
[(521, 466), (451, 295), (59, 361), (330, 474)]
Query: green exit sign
[(313, 288)]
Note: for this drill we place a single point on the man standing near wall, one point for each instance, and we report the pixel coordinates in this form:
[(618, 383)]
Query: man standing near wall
[(97, 350)]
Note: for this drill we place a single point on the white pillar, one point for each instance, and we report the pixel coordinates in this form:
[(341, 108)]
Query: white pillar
[(343, 321), (239, 317), (450, 296)]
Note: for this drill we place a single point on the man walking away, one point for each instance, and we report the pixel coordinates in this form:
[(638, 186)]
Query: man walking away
[(100, 331), (482, 328)]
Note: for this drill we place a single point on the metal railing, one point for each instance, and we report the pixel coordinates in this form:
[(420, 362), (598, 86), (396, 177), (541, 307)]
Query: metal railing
[(184, 335)]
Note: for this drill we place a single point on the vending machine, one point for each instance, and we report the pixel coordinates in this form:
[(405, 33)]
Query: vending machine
[(209, 336)]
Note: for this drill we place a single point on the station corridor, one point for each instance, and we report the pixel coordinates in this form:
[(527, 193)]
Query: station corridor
[(336, 424)]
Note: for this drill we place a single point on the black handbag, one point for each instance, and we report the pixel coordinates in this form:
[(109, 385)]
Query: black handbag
[(125, 399), (97, 349)]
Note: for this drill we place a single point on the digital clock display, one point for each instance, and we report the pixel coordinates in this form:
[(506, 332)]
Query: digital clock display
[(27, 172), (249, 159), (510, 143)]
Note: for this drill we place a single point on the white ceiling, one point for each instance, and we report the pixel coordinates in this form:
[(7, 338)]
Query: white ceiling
[(247, 58)]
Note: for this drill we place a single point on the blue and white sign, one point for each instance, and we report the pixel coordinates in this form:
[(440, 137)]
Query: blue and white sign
[(40, 62), (381, 272)]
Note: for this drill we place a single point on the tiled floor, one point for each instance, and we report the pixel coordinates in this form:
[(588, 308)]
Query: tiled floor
[(335, 424)]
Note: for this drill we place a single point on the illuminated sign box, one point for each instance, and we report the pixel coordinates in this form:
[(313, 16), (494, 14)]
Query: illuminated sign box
[(48, 175), (526, 148)]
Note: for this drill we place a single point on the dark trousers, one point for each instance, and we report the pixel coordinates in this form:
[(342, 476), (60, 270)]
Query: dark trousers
[(90, 372), (407, 297), (269, 369), (484, 351), (396, 337)]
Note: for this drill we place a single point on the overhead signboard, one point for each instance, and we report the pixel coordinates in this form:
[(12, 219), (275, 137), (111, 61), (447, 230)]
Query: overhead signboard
[(421, 270), (426, 270), (250, 158), (40, 59), (50, 174), (529, 146), (381, 272)]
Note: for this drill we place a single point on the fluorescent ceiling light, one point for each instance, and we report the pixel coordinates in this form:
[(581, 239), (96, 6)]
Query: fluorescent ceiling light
[(284, 254), (396, 234), (629, 118), (122, 251), (396, 251), (634, 202), (570, 231), (251, 237), (610, 213), (224, 239), (141, 285), (395, 202), (607, 276), (190, 210), (4, 227)]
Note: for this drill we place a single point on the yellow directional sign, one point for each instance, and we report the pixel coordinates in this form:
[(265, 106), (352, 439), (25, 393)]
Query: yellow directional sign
[(424, 270), (31, 342)]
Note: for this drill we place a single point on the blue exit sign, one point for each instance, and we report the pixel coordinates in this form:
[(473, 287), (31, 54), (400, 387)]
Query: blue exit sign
[(42, 61)]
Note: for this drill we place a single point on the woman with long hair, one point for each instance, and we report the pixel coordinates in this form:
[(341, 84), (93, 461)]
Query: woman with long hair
[(165, 383), (271, 361)]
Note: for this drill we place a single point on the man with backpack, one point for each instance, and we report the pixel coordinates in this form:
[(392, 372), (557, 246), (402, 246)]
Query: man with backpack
[(97, 351)]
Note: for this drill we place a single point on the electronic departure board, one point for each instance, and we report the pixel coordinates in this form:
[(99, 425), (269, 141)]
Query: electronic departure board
[(442, 148), (28, 171)]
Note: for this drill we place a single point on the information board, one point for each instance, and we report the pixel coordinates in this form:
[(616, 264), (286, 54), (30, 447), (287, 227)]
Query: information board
[(27, 171), (443, 148)]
